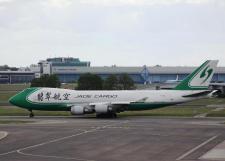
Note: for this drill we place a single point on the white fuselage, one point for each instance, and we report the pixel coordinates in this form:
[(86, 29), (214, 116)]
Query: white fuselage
[(54, 95)]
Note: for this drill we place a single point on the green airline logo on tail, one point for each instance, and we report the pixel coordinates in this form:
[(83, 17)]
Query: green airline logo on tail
[(199, 78), (203, 74)]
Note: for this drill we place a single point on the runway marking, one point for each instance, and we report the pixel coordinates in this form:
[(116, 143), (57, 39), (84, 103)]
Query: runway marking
[(48, 122), (56, 157), (3, 134), (196, 148), (19, 151), (51, 141), (216, 153), (8, 153)]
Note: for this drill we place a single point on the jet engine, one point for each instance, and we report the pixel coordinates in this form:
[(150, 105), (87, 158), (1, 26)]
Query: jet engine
[(103, 108), (80, 110)]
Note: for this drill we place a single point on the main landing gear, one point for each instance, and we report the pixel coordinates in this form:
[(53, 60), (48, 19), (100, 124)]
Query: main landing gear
[(31, 114), (106, 115)]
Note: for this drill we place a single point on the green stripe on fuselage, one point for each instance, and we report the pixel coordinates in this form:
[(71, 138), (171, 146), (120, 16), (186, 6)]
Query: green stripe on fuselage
[(21, 100)]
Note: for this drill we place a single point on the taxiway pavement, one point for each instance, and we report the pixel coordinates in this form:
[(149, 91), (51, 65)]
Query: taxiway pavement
[(122, 139)]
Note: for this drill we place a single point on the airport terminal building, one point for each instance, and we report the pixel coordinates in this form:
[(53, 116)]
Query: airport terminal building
[(69, 70), (140, 75), (16, 77)]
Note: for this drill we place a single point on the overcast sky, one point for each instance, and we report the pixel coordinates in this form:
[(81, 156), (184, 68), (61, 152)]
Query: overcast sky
[(106, 32)]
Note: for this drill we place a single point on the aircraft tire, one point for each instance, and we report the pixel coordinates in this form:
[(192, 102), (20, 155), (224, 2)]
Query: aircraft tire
[(106, 115)]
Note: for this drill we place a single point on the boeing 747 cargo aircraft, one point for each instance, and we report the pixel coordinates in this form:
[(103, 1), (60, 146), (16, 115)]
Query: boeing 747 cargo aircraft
[(108, 103)]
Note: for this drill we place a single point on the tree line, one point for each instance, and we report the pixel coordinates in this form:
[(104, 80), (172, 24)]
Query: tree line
[(46, 81), (89, 81)]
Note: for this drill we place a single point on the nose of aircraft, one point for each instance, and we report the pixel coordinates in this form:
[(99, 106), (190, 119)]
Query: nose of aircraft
[(14, 99), (20, 99)]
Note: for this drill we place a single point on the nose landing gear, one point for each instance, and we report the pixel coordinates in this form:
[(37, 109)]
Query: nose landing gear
[(31, 114)]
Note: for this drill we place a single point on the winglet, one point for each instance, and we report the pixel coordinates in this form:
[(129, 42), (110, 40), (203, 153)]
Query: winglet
[(200, 78)]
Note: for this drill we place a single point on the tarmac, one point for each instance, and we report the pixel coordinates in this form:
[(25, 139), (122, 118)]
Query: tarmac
[(121, 139)]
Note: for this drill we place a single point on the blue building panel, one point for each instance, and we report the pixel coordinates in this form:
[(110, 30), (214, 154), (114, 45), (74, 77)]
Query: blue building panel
[(166, 77), (182, 76), (16, 77), (137, 78), (4, 78), (221, 78), (68, 78), (21, 78)]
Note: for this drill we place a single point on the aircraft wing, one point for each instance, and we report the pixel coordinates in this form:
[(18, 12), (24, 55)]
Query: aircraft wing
[(121, 102), (118, 106), (199, 94), (111, 103)]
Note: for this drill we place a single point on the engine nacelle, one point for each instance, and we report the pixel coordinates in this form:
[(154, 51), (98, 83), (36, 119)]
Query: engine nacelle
[(80, 110), (103, 108)]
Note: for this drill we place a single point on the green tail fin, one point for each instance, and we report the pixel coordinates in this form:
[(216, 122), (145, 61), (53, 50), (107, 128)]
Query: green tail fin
[(200, 78)]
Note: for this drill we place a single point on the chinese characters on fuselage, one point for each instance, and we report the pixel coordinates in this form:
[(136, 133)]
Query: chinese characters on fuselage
[(55, 96)]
